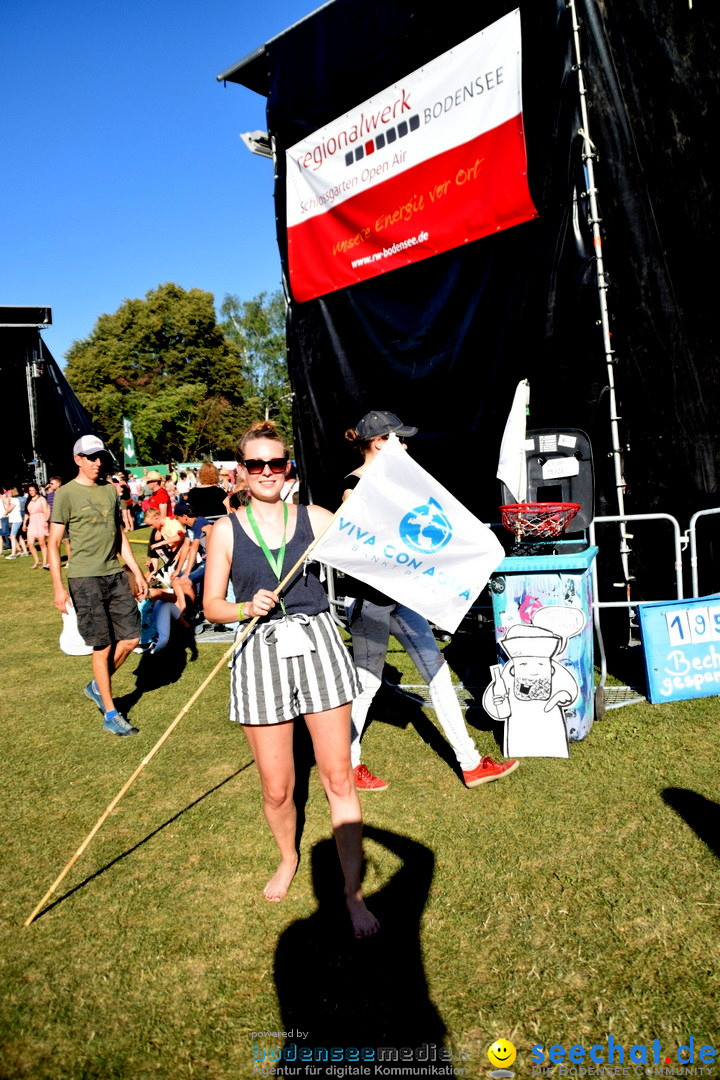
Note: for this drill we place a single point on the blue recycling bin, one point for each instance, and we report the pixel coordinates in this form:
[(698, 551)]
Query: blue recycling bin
[(543, 615)]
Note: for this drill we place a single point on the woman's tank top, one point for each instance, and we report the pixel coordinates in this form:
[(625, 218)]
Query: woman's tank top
[(251, 571)]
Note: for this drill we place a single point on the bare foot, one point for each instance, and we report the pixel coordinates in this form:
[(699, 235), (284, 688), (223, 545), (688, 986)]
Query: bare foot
[(279, 883), (364, 922)]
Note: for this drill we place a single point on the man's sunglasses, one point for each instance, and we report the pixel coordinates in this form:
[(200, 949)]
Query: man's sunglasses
[(255, 466), (92, 457)]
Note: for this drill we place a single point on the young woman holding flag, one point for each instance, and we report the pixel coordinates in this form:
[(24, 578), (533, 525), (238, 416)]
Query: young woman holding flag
[(292, 664), (374, 617)]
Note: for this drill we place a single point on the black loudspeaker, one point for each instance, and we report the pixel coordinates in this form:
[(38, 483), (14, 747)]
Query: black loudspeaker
[(25, 316)]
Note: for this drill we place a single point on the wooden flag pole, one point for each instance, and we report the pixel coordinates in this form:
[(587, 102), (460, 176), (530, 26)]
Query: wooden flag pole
[(128, 784), (183, 712)]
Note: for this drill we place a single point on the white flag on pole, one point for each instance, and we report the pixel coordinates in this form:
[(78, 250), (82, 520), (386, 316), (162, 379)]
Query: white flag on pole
[(512, 466), (404, 534)]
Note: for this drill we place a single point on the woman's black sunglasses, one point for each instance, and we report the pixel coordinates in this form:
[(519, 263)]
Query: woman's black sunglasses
[(255, 466)]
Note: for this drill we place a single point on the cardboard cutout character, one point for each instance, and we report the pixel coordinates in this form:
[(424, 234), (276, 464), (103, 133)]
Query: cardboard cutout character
[(531, 691)]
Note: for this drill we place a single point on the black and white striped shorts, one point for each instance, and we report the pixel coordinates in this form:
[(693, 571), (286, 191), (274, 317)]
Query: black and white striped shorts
[(268, 689)]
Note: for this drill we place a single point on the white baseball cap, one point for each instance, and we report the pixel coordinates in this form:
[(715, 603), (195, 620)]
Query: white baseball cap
[(89, 444)]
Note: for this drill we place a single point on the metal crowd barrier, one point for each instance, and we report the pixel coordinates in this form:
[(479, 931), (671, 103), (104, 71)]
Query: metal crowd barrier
[(691, 536), (602, 690)]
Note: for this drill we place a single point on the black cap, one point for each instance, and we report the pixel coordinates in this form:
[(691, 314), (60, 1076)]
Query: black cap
[(383, 423), (182, 508)]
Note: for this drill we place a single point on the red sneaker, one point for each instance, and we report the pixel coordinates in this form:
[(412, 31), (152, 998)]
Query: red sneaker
[(365, 781), (489, 770)]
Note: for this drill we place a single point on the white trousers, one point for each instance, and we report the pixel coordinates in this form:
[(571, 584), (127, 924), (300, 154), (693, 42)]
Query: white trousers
[(371, 628)]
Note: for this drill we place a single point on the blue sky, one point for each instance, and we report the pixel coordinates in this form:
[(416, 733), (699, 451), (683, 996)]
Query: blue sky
[(122, 166)]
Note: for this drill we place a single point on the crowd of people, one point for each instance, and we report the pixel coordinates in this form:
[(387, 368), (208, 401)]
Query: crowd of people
[(181, 521), (24, 515), (180, 506), (205, 492)]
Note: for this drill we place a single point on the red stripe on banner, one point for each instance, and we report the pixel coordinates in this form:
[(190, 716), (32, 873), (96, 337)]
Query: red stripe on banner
[(459, 196)]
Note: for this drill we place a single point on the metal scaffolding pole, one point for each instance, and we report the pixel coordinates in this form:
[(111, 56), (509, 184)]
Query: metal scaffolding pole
[(589, 154), (33, 371)]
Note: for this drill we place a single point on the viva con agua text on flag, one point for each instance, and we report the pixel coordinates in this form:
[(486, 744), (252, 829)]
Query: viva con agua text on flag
[(403, 533)]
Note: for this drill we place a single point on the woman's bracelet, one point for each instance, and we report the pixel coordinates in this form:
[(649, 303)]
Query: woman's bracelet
[(241, 611)]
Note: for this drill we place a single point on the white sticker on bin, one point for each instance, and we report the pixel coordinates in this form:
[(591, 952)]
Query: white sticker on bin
[(559, 467), (547, 443)]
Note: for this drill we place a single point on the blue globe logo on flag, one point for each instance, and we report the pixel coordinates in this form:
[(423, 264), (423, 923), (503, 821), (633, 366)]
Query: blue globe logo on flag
[(426, 528)]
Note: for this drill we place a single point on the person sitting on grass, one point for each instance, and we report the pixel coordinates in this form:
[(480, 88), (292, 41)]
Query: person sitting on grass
[(165, 540), (165, 604), (190, 559)]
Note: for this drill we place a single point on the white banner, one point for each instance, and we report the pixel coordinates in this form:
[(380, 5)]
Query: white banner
[(404, 534), (434, 161)]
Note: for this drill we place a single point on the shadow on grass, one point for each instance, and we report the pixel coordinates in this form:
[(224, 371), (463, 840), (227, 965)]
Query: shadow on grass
[(394, 706), (470, 655), (391, 706), (403, 709), (140, 843), (344, 993), (156, 670), (304, 758), (701, 814)]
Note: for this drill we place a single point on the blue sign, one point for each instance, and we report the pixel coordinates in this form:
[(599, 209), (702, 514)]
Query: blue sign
[(681, 640)]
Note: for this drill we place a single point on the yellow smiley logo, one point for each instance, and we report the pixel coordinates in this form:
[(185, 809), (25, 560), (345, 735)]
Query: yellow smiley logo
[(502, 1053)]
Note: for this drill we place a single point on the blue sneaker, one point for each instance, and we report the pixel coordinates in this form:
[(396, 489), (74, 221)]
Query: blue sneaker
[(118, 725), (91, 693)]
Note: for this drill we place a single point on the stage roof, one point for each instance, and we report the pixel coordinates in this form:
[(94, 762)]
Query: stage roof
[(252, 70)]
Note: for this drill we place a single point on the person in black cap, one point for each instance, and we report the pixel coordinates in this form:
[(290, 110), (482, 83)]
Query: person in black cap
[(195, 545), (374, 617), (107, 612)]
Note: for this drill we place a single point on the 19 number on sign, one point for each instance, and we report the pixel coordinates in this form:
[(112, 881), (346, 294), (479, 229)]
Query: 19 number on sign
[(695, 626)]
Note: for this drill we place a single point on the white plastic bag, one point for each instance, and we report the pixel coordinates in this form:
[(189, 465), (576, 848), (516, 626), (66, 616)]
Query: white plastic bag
[(71, 642)]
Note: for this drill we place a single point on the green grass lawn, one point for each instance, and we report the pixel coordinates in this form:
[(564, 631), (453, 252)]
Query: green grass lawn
[(575, 900)]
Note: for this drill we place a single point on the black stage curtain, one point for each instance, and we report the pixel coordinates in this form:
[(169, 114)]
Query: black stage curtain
[(61, 417), (443, 343)]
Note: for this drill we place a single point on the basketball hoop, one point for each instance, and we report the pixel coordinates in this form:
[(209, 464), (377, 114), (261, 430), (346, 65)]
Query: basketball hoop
[(540, 520)]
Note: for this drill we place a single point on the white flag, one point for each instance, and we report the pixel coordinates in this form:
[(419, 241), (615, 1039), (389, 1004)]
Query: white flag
[(404, 534), (512, 466)]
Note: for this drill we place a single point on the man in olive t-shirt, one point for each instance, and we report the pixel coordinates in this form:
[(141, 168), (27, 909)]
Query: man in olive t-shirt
[(107, 612)]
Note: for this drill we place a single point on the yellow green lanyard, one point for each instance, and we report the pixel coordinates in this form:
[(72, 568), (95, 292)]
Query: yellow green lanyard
[(276, 562)]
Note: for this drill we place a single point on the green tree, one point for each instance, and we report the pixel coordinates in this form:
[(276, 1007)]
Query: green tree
[(166, 363), (257, 327)]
